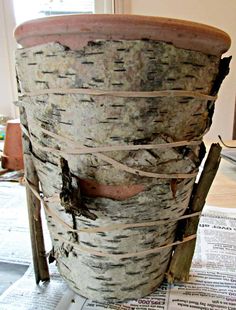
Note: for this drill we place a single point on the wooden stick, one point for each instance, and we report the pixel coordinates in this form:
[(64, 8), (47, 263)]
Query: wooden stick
[(35, 223), (36, 231), (182, 258)]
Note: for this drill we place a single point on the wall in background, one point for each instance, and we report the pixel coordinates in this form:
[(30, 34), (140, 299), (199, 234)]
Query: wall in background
[(7, 71), (218, 13), (8, 89)]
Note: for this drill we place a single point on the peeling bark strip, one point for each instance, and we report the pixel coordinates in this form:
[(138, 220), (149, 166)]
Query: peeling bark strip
[(96, 121), (69, 199), (70, 196)]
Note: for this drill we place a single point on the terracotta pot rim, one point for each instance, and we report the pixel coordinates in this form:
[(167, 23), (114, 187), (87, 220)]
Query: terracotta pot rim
[(181, 33)]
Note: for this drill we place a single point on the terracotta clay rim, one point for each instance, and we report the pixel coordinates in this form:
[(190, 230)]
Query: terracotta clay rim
[(75, 31)]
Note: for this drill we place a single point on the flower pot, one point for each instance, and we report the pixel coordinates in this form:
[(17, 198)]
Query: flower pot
[(12, 157), (114, 109)]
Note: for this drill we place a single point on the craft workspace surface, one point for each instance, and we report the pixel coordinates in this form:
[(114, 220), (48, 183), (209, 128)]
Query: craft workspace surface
[(223, 189)]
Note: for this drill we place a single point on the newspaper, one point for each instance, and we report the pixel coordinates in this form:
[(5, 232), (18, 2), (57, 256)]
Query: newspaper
[(26, 295), (216, 241), (15, 245), (212, 283), (14, 228)]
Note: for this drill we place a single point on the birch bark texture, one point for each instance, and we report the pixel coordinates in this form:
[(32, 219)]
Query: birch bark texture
[(84, 191)]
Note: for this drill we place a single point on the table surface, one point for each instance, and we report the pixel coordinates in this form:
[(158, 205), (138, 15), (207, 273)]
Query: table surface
[(223, 189)]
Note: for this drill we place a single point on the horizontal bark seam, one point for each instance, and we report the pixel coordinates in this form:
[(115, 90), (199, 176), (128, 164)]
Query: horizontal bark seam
[(77, 149), (102, 228), (109, 160), (126, 94), (111, 255), (125, 255)]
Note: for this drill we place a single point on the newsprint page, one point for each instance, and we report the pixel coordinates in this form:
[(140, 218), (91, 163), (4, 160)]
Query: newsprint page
[(212, 283)]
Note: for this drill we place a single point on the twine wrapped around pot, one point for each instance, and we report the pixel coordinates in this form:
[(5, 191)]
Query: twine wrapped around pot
[(114, 130)]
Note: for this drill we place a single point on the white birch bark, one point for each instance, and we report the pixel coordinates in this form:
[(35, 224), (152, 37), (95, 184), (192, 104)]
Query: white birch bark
[(102, 120)]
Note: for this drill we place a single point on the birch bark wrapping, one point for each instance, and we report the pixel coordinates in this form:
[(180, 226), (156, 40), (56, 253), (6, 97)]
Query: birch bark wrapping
[(92, 121)]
